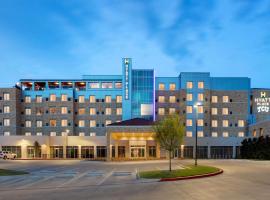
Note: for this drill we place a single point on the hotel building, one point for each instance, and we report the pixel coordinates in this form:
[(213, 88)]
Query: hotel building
[(111, 116)]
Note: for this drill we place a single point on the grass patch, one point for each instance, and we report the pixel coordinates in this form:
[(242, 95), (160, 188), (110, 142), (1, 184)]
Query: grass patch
[(190, 170), (6, 172)]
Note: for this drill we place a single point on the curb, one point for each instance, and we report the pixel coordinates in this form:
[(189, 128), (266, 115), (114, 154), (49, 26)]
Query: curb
[(192, 177)]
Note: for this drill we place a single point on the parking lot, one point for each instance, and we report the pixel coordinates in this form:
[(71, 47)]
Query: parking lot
[(69, 179)]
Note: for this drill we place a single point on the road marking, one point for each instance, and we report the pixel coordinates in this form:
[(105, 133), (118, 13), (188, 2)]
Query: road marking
[(106, 177), (73, 179)]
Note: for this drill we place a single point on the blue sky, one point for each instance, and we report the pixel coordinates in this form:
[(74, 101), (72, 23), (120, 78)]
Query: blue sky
[(65, 39)]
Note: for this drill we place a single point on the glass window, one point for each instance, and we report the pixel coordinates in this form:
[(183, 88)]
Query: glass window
[(92, 134), (118, 111), (241, 134), (241, 123), (108, 122), (225, 99), (6, 109), (81, 99), (39, 123), (172, 86), (161, 111), (81, 134), (225, 123), (108, 99), (108, 111), (81, 123), (201, 85), (118, 85), (189, 133), (214, 134), (27, 99), (27, 111), (200, 97), (6, 96), (6, 122), (171, 111), (200, 109), (189, 85), (200, 134), (161, 86), (63, 97), (189, 122), (107, 85), (39, 133), (64, 110), (64, 122), (52, 97), (39, 111), (189, 109), (200, 122), (27, 133), (92, 123), (53, 123), (214, 99), (81, 111), (92, 99), (214, 111), (118, 99), (28, 124), (6, 133), (172, 99), (214, 123), (52, 110), (161, 99), (225, 111), (92, 111), (189, 97), (38, 99), (53, 133), (94, 85), (225, 134), (64, 134)]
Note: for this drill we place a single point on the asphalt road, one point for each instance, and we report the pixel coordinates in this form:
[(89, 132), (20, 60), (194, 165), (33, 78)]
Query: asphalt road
[(68, 179)]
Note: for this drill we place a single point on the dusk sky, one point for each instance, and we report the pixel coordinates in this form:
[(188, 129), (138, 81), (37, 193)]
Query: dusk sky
[(66, 39)]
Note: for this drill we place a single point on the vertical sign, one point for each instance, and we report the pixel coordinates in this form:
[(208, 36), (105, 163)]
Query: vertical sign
[(262, 103), (126, 79)]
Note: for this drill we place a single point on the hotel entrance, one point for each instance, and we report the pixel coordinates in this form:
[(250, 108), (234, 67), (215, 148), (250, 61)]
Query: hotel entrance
[(137, 152)]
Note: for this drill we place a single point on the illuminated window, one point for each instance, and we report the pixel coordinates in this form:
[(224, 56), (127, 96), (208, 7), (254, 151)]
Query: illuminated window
[(81, 134), (38, 99), (189, 97), (107, 85), (118, 85), (200, 109), (81, 111), (81, 99), (108, 111), (39, 123), (200, 97), (118, 99), (254, 133), (214, 134), (225, 123), (108, 99), (161, 111), (28, 124), (94, 85), (225, 111), (53, 123), (172, 99), (171, 111), (27, 111), (6, 96), (225, 134), (64, 122), (189, 134), (6, 109), (92, 134), (52, 110), (172, 86), (63, 97), (189, 109), (200, 85), (53, 133), (189, 122), (214, 123), (200, 134), (92, 99), (225, 99), (92, 111), (161, 86), (27, 99), (118, 111), (6, 122), (39, 133), (214, 111), (241, 123), (6, 133), (189, 85), (161, 99), (27, 133), (92, 123), (64, 134), (214, 99), (64, 110), (52, 97), (241, 134), (200, 122), (81, 123), (108, 122)]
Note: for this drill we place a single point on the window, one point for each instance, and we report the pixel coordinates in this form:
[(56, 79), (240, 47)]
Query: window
[(200, 134), (161, 99), (92, 111), (81, 111), (108, 111), (225, 111), (94, 85), (107, 85), (64, 122), (6, 122), (39, 123), (200, 122), (52, 97), (64, 134), (200, 85), (6, 109), (161, 111), (171, 111), (39, 111), (225, 123), (118, 99), (189, 85), (81, 123), (108, 99), (108, 122), (27, 111), (189, 109), (28, 124), (161, 86), (52, 123), (189, 97), (81, 133), (241, 123), (241, 134), (92, 123), (64, 110), (200, 96), (172, 99), (214, 123), (6, 133), (225, 134), (39, 99), (6, 96), (63, 97), (214, 111), (27, 99), (118, 111), (92, 134), (225, 99), (52, 110), (81, 99), (189, 122), (200, 109), (172, 86), (118, 85), (92, 99), (214, 99), (189, 134), (27, 133), (214, 134), (53, 133), (39, 133)]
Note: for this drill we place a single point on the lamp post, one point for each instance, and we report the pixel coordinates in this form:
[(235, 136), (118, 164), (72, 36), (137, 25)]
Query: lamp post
[(196, 131)]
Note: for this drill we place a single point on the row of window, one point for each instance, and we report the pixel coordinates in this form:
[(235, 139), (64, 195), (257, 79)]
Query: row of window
[(200, 109), (7, 133), (189, 97), (214, 134), (189, 85), (214, 123)]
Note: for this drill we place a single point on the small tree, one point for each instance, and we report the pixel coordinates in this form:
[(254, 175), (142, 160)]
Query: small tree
[(169, 133), (36, 148)]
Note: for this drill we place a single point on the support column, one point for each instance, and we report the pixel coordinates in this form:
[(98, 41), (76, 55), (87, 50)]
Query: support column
[(116, 149), (24, 151), (182, 151), (65, 147), (209, 152), (80, 151), (158, 150), (109, 147), (127, 150), (234, 152)]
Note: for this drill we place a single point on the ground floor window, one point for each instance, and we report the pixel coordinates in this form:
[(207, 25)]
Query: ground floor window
[(223, 152), (188, 151), (202, 152), (137, 151), (14, 149), (56, 151), (33, 153), (238, 152), (72, 151), (101, 151), (113, 151), (87, 151), (152, 151), (121, 152)]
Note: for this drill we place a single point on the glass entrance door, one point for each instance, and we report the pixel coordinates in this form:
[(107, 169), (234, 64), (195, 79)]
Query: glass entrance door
[(137, 151)]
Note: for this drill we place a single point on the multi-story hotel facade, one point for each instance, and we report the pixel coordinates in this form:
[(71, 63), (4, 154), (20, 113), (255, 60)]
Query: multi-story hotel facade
[(111, 116)]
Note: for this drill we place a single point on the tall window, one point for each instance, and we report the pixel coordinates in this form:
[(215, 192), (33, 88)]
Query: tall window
[(225, 134), (214, 99), (225, 99), (27, 99), (38, 99), (6, 122), (118, 111), (214, 111), (108, 99), (6, 133), (172, 99), (200, 122), (189, 85), (63, 97), (6, 96), (200, 109), (118, 85), (161, 99), (171, 111), (6, 109), (81, 111), (189, 122), (200, 134), (64, 110), (39, 123), (92, 99), (108, 122), (161, 111), (214, 123), (241, 134), (27, 133), (92, 123), (119, 99), (108, 111), (27, 111), (172, 86), (81, 99), (189, 134), (64, 122), (52, 110), (28, 124), (189, 97), (200, 97), (225, 111), (201, 85), (241, 123), (189, 109), (161, 86), (225, 123), (81, 123), (52, 97), (52, 123), (92, 111), (214, 134)]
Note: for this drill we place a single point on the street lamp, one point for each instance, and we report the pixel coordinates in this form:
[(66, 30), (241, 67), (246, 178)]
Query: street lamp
[(195, 106)]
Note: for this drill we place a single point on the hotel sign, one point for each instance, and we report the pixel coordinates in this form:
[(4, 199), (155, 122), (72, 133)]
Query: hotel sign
[(262, 103), (126, 61)]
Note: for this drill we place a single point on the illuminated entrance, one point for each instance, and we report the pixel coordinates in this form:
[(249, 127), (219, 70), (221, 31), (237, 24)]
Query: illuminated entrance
[(137, 152)]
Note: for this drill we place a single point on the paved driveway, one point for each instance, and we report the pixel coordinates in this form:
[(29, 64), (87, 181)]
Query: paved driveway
[(68, 179)]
